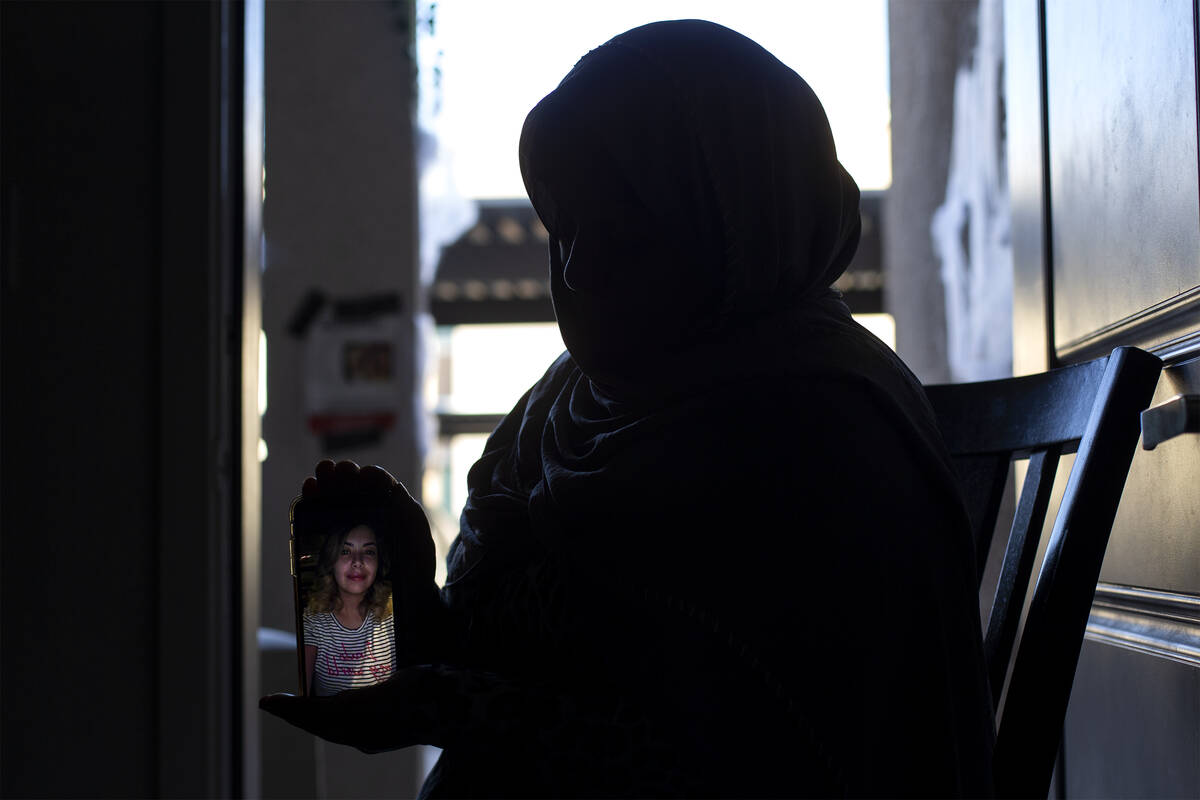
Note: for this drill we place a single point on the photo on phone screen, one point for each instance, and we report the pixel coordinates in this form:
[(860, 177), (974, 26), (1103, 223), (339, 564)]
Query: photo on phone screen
[(341, 578)]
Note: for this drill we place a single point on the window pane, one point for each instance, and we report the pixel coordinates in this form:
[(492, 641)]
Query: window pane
[(486, 368)]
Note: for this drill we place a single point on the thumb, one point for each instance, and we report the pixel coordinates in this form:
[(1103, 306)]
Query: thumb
[(372, 718), (298, 711), (321, 716)]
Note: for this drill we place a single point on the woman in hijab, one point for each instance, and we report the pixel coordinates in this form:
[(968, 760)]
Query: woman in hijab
[(717, 549)]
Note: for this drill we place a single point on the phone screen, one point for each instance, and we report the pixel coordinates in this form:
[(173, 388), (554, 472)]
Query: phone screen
[(341, 580)]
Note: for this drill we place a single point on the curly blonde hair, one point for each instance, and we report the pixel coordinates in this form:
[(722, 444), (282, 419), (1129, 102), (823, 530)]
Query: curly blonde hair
[(325, 595)]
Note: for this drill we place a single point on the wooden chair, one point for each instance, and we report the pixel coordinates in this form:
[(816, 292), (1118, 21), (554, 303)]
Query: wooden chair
[(1091, 409)]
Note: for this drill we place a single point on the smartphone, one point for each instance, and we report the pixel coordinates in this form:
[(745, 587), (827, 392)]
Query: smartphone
[(340, 560)]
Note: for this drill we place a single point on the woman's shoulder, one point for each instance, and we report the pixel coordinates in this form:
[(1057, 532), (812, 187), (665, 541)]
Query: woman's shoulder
[(313, 627), (317, 619), (374, 620)]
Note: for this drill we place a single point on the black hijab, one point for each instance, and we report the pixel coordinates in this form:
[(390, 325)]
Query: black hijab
[(715, 392), (698, 216), (691, 184)]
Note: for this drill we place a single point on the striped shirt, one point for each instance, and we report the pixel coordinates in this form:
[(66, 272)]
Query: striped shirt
[(349, 658)]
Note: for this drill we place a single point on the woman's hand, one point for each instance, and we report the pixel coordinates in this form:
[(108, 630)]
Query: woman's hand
[(390, 715), (345, 483), (420, 617), (545, 739)]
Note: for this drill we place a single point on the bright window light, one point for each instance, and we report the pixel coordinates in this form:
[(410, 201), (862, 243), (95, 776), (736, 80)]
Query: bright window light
[(882, 325), (491, 366), (494, 61)]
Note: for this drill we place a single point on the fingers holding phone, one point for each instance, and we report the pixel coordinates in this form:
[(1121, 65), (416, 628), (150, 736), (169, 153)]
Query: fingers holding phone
[(346, 485)]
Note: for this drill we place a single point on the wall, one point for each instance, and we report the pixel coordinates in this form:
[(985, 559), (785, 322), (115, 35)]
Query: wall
[(340, 217), (1102, 101)]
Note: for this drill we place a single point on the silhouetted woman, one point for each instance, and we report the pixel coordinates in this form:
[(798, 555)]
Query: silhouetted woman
[(716, 549)]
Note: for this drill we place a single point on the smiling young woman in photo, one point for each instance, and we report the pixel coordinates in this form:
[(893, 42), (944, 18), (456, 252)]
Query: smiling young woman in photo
[(348, 635)]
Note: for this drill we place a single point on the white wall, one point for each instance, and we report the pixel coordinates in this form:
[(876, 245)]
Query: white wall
[(339, 216)]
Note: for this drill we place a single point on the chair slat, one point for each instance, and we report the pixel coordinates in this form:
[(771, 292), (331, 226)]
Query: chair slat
[(1019, 555), (982, 479)]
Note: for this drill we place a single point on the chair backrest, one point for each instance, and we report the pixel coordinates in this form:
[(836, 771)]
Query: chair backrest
[(1091, 409)]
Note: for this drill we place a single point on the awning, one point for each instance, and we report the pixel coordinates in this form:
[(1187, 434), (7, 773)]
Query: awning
[(498, 270)]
